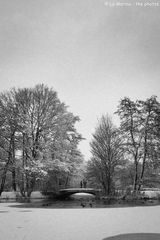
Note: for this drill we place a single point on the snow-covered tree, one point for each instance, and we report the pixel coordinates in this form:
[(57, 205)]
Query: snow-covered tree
[(44, 132)]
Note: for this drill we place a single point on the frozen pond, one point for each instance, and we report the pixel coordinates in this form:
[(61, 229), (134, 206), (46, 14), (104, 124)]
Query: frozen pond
[(27, 223)]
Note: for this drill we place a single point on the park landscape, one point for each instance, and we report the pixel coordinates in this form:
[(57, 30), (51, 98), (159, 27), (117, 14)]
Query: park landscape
[(79, 120), (118, 188)]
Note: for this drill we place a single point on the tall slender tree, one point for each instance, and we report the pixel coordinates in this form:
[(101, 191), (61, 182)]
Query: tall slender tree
[(106, 152)]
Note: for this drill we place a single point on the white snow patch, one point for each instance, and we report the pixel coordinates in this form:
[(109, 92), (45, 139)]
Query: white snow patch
[(75, 224)]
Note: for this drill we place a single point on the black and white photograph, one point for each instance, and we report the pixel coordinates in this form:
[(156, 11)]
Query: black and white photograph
[(79, 120)]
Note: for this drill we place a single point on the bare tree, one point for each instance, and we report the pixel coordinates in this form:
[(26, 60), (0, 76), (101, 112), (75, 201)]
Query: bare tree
[(107, 153), (139, 125)]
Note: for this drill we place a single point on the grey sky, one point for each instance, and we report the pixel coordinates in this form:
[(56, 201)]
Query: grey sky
[(92, 54)]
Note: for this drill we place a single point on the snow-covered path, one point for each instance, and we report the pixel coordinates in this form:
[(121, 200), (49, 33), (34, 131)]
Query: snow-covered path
[(75, 224)]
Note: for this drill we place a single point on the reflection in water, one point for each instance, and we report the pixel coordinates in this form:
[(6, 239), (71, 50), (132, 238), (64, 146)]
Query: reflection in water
[(78, 201), (82, 203)]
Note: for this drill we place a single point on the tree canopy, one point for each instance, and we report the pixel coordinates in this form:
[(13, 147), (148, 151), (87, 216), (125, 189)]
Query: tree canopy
[(140, 132), (38, 126), (107, 154), (129, 154)]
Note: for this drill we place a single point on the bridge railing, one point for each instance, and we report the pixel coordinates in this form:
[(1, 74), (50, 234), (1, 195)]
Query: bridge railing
[(68, 191)]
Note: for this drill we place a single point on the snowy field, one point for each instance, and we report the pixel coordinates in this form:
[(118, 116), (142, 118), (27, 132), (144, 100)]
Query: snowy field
[(75, 224)]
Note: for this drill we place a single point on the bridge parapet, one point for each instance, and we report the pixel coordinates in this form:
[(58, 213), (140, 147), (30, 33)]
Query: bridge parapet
[(69, 191)]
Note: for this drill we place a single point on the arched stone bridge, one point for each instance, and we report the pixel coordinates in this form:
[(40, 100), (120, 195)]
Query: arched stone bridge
[(65, 193)]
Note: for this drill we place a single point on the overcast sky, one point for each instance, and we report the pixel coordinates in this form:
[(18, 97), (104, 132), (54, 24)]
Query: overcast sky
[(91, 53)]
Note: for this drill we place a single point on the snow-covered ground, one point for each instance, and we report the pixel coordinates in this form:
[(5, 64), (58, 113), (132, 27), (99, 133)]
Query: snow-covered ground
[(75, 224), (13, 195), (151, 192)]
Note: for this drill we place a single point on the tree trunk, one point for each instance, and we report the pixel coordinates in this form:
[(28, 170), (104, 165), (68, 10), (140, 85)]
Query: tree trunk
[(144, 163), (5, 171), (67, 179), (14, 179), (4, 178), (135, 177), (142, 172), (31, 184), (108, 188), (13, 162), (104, 187), (109, 184)]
